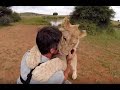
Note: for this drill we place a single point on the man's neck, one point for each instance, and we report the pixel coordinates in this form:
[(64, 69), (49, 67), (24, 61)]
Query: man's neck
[(48, 55)]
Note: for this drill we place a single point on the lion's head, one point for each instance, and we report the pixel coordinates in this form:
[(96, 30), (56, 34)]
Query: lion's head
[(70, 36)]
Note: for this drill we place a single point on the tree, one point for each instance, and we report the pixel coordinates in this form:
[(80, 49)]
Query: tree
[(7, 16), (15, 17), (99, 15), (5, 11)]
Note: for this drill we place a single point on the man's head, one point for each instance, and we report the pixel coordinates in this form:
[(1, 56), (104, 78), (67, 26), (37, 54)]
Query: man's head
[(48, 39)]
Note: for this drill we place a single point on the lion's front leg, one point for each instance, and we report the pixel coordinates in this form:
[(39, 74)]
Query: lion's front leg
[(74, 67)]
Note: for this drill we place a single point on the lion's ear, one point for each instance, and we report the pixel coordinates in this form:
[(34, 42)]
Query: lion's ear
[(77, 25), (83, 33), (66, 22)]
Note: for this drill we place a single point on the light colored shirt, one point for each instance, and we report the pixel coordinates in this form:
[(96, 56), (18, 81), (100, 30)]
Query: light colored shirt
[(57, 78)]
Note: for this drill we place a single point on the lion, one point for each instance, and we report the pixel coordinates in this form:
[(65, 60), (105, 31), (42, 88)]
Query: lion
[(70, 41)]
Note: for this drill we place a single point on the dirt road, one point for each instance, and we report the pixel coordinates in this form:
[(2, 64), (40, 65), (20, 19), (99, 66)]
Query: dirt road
[(16, 40)]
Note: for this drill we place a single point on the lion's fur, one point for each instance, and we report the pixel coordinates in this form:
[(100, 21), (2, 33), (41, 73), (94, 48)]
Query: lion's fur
[(70, 40)]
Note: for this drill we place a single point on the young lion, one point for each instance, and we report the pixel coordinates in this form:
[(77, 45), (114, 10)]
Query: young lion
[(70, 41)]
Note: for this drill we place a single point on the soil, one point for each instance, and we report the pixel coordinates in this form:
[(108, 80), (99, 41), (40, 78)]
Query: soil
[(17, 39)]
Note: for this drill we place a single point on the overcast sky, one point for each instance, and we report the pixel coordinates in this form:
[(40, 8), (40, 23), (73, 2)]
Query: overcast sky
[(61, 10)]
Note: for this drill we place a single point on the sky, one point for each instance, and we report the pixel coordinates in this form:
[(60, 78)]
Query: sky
[(61, 10)]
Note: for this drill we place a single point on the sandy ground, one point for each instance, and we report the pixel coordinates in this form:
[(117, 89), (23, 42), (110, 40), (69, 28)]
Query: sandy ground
[(16, 40)]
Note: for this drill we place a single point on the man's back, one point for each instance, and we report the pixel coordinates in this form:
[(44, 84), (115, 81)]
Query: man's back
[(57, 78)]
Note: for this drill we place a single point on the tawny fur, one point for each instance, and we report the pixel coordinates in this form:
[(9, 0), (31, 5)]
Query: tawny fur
[(70, 40)]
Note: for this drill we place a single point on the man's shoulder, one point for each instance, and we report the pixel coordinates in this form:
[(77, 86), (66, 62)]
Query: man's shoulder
[(57, 77), (25, 56), (26, 53), (58, 74)]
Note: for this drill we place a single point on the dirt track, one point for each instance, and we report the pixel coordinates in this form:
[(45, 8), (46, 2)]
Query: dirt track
[(16, 40)]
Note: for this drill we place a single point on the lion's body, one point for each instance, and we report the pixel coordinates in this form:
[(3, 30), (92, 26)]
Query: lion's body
[(70, 40)]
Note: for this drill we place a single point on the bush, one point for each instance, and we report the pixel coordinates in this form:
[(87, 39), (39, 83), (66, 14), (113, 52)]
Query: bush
[(118, 25), (5, 20), (90, 27), (110, 30), (100, 15), (15, 17)]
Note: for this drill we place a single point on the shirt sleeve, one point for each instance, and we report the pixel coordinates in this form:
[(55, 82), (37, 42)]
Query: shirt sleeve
[(57, 78)]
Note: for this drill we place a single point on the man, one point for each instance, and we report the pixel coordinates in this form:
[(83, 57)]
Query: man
[(47, 41)]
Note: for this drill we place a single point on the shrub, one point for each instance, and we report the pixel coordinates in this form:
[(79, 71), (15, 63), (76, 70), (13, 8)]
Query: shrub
[(100, 15), (110, 30), (118, 25), (5, 20), (88, 26), (15, 17)]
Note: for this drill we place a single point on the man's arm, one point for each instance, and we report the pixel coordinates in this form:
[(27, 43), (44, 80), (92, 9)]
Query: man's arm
[(67, 71)]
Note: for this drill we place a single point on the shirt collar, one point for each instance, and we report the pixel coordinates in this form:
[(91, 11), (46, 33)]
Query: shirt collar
[(44, 59)]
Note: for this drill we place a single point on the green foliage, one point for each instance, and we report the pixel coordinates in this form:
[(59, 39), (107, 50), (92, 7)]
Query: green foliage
[(118, 25), (15, 17), (5, 11), (5, 20), (110, 30), (105, 39), (89, 26), (94, 19), (7, 16), (100, 15)]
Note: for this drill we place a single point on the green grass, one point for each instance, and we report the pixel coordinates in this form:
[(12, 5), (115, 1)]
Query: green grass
[(36, 20), (104, 39), (109, 43), (115, 23), (50, 18), (39, 20), (109, 46)]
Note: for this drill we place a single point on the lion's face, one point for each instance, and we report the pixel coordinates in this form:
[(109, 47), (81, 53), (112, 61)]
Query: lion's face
[(70, 37)]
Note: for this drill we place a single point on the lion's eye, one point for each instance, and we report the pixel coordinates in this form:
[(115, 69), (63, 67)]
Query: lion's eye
[(64, 38)]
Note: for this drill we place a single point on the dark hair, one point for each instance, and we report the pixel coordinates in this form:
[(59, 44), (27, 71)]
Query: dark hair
[(47, 38)]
